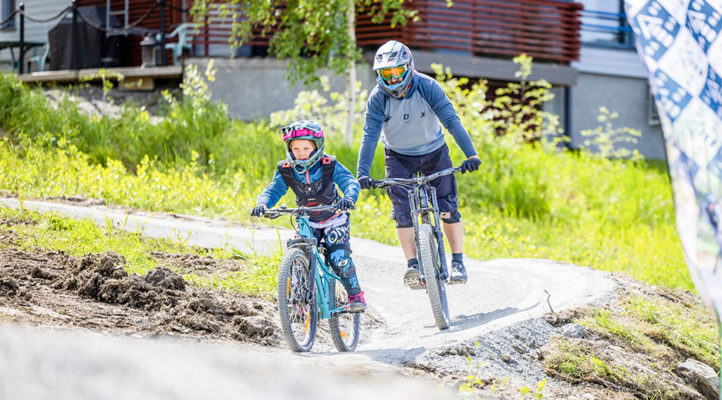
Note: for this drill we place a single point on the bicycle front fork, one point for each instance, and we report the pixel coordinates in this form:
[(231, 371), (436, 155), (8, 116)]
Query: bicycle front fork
[(419, 204)]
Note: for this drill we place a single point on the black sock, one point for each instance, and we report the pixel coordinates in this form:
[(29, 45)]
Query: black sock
[(458, 257), (413, 263)]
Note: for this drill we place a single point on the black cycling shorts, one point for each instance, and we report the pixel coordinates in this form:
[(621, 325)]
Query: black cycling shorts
[(405, 166)]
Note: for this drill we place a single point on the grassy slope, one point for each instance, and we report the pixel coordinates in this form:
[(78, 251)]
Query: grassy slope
[(524, 202)]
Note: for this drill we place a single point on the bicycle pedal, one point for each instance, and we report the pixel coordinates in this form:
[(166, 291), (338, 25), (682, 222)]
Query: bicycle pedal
[(415, 283)]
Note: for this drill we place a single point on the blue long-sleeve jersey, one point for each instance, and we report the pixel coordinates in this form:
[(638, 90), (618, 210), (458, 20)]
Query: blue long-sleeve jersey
[(410, 125), (341, 177)]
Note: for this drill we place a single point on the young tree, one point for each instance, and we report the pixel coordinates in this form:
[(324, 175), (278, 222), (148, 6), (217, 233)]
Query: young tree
[(310, 34)]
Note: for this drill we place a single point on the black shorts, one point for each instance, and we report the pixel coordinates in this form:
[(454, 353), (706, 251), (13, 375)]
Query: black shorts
[(404, 166)]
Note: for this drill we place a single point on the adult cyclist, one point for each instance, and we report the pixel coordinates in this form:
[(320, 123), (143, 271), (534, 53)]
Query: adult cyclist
[(406, 110)]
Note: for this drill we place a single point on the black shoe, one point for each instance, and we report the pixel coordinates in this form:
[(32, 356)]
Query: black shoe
[(458, 273), (413, 278)]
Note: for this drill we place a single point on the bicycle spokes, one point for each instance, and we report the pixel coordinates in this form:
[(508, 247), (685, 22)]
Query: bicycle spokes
[(297, 307), (297, 293), (344, 325)]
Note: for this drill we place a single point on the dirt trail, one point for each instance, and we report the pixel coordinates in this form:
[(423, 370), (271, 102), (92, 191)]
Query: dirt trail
[(503, 303)]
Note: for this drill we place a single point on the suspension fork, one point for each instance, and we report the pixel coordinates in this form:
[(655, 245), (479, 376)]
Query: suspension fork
[(439, 234)]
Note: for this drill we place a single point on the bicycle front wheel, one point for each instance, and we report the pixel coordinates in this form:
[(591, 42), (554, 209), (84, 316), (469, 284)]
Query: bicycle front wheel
[(345, 327), (299, 315), (431, 265)]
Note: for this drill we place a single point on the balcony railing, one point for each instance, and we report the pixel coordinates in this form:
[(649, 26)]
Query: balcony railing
[(606, 29), (544, 29), (547, 30)]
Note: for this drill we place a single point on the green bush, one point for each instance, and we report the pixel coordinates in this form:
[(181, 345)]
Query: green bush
[(527, 200)]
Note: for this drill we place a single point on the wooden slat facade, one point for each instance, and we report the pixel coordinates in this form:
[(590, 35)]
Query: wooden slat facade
[(544, 29), (547, 30)]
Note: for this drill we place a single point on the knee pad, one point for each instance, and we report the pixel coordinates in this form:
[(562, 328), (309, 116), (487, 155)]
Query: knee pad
[(450, 217), (342, 262)]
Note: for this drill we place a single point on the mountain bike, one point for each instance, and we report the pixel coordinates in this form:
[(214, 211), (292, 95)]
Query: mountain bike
[(308, 290), (429, 237)]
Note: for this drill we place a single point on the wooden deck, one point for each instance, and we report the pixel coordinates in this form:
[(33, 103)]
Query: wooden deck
[(133, 78)]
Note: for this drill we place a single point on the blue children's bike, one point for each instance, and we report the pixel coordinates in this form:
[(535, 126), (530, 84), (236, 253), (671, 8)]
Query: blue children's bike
[(429, 237), (307, 288)]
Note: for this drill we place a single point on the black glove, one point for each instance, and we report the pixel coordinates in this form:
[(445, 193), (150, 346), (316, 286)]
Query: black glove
[(345, 204), (258, 210), (470, 164), (365, 182)]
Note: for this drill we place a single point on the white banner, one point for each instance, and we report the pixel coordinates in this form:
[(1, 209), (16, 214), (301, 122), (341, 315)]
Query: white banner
[(680, 43)]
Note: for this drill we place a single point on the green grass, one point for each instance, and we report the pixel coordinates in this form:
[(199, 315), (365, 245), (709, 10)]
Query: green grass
[(689, 328), (654, 326), (635, 341), (526, 201), (77, 237)]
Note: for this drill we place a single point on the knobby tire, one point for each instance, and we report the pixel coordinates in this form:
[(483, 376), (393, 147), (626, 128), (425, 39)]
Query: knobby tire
[(430, 263), (345, 328), (299, 317)]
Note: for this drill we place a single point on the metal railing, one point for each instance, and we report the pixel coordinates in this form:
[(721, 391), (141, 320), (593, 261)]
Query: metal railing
[(76, 16), (606, 29)]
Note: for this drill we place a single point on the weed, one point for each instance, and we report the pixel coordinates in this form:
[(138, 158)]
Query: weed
[(526, 201)]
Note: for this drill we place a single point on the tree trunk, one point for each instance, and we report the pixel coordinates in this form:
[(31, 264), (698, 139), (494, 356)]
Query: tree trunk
[(351, 72)]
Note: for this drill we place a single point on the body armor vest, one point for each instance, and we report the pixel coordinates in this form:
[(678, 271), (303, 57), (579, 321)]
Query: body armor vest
[(321, 192)]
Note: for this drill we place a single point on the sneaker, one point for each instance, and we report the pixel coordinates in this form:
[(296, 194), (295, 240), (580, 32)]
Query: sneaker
[(357, 303), (413, 278), (458, 273)]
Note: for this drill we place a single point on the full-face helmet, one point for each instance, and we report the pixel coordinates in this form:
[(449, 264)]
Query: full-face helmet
[(308, 130), (393, 63)]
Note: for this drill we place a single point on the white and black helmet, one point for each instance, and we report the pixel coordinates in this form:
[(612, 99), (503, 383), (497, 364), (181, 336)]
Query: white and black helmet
[(393, 60)]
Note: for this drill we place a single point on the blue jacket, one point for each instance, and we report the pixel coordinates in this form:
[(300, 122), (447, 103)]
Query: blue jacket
[(412, 124), (341, 177)]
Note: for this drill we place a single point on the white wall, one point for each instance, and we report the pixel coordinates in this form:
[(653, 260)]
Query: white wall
[(255, 87)]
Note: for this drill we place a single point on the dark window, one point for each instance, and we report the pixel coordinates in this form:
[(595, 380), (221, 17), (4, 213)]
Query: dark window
[(604, 23), (6, 8)]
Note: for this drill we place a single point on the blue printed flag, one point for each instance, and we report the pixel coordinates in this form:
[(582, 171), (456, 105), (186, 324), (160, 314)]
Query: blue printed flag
[(680, 43)]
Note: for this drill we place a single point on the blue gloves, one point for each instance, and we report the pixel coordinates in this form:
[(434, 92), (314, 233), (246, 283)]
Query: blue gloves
[(258, 210), (364, 182), (345, 204), (470, 165)]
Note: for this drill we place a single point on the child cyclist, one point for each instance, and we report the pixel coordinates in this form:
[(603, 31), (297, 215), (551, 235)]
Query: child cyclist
[(313, 176)]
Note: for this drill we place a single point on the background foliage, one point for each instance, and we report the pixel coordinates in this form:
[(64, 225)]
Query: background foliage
[(528, 199), (310, 34)]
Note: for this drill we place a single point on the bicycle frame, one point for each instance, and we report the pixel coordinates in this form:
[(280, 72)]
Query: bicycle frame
[(319, 270), (420, 193)]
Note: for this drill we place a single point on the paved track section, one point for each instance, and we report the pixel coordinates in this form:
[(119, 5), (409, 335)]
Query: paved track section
[(78, 366), (499, 293)]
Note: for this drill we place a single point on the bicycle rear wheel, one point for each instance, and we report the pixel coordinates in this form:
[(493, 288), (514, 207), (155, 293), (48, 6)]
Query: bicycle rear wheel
[(431, 265), (345, 327), (299, 316)]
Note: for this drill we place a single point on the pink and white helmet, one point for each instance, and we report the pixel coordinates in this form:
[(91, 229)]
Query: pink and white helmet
[(308, 130)]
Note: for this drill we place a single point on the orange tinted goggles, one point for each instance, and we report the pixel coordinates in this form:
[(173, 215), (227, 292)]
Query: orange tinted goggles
[(395, 72)]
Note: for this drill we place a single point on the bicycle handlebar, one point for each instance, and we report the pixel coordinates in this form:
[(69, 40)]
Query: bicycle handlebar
[(302, 211), (412, 181)]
